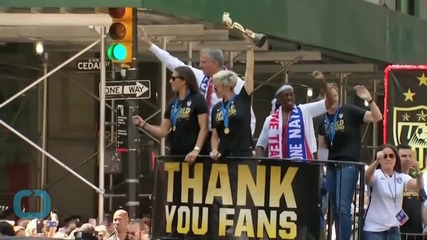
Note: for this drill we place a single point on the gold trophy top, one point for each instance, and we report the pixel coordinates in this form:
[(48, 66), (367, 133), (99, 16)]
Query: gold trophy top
[(228, 22)]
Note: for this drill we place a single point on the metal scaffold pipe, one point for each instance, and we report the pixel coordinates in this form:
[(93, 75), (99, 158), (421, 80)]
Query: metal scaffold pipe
[(101, 147), (49, 155), (54, 20), (48, 74)]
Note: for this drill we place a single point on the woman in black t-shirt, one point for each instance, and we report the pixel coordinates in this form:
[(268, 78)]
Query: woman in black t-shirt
[(185, 121), (340, 135), (231, 118)]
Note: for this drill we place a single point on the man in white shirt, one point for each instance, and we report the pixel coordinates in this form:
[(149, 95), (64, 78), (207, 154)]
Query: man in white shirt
[(211, 62), (287, 124)]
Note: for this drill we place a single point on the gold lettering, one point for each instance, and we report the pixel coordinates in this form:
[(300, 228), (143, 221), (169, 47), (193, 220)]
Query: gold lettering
[(282, 187), (219, 173), (246, 182), (223, 221), (186, 110), (171, 168), (183, 223), (232, 111), (244, 224), (410, 193), (184, 113), (195, 183), (268, 224), (203, 229), (219, 116), (170, 213), (290, 228)]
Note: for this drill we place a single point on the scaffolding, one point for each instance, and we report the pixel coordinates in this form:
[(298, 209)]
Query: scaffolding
[(185, 40)]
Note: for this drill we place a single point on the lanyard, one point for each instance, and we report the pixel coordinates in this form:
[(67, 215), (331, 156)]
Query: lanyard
[(331, 131), (177, 108), (224, 110), (393, 196)]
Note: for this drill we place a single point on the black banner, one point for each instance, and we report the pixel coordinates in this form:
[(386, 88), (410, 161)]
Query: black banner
[(244, 199), (406, 106)]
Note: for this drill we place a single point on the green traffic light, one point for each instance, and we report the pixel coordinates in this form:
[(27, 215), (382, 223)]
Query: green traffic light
[(117, 52)]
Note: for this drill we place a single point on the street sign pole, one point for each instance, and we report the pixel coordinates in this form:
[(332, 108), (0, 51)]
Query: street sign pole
[(131, 157)]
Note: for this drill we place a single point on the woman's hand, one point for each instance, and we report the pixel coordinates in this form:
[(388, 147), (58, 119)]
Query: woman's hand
[(215, 155), (138, 121), (191, 157), (363, 93), (246, 36)]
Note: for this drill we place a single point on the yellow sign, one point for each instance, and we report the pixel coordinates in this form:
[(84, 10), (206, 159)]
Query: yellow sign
[(219, 188)]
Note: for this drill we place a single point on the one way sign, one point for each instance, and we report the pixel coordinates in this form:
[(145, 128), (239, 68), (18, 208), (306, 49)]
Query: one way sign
[(136, 89)]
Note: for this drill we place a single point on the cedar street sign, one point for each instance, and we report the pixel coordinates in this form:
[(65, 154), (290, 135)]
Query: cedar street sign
[(132, 89), (91, 65)]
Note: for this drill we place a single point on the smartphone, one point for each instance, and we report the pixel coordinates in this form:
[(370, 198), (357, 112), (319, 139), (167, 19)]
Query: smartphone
[(51, 224), (39, 226)]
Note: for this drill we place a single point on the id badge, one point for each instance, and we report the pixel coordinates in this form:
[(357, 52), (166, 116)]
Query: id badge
[(402, 217)]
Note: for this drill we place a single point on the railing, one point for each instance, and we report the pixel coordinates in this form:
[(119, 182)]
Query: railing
[(181, 188)]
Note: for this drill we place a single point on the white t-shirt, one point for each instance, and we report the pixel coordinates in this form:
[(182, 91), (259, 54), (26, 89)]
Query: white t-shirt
[(172, 62), (386, 195), (309, 111)]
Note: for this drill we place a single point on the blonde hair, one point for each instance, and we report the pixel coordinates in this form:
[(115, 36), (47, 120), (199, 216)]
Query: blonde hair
[(226, 78)]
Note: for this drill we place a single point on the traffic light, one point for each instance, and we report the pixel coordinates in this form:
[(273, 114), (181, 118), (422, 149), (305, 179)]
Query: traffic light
[(120, 51)]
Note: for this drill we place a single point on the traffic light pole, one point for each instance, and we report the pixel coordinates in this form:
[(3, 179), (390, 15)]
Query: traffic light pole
[(131, 157)]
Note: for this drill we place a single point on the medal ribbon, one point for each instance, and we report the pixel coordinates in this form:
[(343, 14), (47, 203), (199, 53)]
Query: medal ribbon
[(177, 108), (224, 110), (331, 131)]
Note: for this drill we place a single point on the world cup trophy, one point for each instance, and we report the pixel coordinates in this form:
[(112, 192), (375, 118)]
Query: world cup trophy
[(259, 39)]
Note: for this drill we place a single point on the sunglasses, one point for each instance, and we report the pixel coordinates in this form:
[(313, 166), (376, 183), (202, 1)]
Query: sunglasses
[(176, 77), (391, 155)]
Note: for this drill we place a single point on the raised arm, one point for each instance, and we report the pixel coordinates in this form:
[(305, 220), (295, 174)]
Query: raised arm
[(329, 97), (374, 114), (250, 63), (417, 182), (168, 60), (370, 171)]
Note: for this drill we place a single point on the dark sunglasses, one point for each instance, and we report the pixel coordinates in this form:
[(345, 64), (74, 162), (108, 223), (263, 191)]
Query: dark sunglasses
[(176, 77), (391, 155)]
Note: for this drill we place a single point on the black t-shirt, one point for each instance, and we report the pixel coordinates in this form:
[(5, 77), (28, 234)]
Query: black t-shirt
[(238, 142), (346, 145), (184, 138), (412, 207)]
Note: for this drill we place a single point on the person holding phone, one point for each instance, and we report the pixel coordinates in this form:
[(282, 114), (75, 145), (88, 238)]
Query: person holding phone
[(185, 123), (386, 181), (412, 200)]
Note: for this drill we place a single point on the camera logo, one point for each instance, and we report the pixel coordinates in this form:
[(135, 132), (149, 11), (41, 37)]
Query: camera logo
[(45, 198)]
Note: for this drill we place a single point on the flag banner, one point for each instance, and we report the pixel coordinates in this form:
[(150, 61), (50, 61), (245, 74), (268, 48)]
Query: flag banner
[(405, 108), (236, 199)]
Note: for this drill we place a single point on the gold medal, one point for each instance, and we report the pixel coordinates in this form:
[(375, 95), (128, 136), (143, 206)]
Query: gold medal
[(174, 128), (226, 130)]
